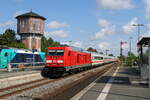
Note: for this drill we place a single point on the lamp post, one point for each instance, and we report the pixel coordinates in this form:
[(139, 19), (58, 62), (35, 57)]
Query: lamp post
[(130, 38), (106, 51), (138, 26)]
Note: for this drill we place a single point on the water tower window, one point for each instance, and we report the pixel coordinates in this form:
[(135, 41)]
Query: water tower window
[(35, 25), (23, 23)]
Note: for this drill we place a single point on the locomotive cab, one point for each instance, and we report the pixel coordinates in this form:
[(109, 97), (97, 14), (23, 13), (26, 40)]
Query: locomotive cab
[(55, 58), (54, 62)]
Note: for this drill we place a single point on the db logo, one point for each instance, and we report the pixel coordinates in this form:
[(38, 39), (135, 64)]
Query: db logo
[(54, 61)]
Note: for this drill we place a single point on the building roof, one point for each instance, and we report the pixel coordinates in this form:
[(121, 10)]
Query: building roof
[(31, 14), (144, 41)]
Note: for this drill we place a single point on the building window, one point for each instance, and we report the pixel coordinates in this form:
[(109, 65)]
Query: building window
[(23, 23), (35, 25)]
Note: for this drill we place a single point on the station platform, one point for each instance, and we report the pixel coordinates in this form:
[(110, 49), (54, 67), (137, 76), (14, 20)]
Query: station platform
[(121, 83), (19, 72), (19, 76)]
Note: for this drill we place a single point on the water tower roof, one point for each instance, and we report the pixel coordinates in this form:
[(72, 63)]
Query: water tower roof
[(31, 14)]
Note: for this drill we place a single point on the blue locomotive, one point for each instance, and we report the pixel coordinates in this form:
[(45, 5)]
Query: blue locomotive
[(20, 56)]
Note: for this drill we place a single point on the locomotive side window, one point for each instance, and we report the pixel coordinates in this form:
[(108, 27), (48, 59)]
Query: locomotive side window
[(69, 53), (55, 52)]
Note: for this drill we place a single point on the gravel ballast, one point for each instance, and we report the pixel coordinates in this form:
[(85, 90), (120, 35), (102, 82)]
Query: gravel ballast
[(50, 89)]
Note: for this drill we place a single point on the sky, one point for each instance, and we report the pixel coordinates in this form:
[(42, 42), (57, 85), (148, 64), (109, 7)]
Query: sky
[(101, 24)]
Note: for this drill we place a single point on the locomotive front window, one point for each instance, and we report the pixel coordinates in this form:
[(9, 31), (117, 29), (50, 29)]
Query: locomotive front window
[(55, 52)]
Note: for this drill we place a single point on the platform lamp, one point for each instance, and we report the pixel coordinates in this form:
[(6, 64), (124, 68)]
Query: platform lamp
[(138, 26), (130, 38)]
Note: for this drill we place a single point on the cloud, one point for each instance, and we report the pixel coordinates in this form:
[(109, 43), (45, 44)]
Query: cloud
[(103, 23), (8, 23), (147, 8), (114, 4), (99, 35), (56, 24), (58, 33), (17, 13), (78, 44), (128, 28), (66, 42), (125, 46), (147, 33), (104, 45), (107, 29)]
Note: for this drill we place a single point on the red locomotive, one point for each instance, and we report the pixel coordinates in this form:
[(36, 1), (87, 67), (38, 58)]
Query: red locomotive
[(70, 59), (65, 59)]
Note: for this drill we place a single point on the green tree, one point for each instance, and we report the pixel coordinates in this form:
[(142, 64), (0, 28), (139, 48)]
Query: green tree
[(90, 49), (130, 59), (110, 55), (44, 44), (48, 43), (145, 57), (8, 38)]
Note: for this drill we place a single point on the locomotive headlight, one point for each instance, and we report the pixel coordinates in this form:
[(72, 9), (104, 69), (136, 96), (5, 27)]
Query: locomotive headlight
[(47, 64), (49, 61), (60, 61)]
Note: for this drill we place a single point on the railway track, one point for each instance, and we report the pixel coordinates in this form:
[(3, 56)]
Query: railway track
[(58, 92), (16, 89), (5, 92)]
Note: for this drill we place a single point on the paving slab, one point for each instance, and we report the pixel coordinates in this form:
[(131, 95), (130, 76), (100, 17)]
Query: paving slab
[(123, 83), (19, 72)]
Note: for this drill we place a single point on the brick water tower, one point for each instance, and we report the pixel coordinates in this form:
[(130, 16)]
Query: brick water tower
[(30, 26)]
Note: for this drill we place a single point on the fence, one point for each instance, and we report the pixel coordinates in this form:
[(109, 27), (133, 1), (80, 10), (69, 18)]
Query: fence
[(25, 66)]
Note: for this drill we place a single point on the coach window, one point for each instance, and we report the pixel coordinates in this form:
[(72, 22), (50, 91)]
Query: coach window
[(6, 54)]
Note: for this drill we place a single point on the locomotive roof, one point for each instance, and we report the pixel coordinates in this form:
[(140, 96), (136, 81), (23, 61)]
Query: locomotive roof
[(77, 49), (20, 50), (72, 47)]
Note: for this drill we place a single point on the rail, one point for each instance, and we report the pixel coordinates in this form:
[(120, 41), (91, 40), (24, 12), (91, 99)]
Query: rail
[(16, 89)]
